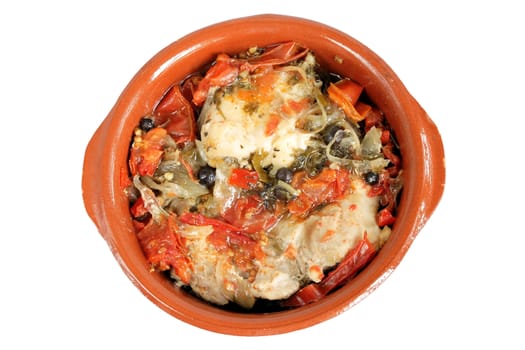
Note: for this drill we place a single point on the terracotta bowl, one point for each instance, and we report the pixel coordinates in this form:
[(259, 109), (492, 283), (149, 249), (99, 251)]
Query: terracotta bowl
[(107, 152)]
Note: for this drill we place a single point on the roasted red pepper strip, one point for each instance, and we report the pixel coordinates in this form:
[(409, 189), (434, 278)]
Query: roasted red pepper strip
[(224, 234), (349, 89), (326, 187), (164, 247), (178, 112), (250, 214), (197, 219), (277, 55), (354, 261), (226, 69), (190, 85), (146, 154), (345, 94), (222, 73), (306, 295), (243, 178)]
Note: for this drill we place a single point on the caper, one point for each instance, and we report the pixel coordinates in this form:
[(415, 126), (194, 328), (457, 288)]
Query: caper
[(330, 131), (284, 174), (206, 176), (371, 178), (146, 124), (315, 161), (281, 193)]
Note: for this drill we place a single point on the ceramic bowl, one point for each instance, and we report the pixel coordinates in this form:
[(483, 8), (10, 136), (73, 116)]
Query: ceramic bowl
[(107, 152)]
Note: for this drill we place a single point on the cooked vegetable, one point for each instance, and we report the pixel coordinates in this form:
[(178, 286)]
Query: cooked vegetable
[(345, 94), (326, 187), (263, 178), (371, 177), (243, 178), (330, 131), (175, 113), (146, 124), (206, 176), (284, 174)]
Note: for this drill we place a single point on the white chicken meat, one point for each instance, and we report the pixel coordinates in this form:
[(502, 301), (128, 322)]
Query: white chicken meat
[(296, 251)]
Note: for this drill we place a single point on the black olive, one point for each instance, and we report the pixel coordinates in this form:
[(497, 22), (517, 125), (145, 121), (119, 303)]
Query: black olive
[(146, 124), (206, 176), (328, 78), (330, 131), (284, 174), (371, 178)]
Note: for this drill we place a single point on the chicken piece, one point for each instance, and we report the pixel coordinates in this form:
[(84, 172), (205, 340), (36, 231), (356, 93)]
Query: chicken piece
[(258, 115), (296, 251)]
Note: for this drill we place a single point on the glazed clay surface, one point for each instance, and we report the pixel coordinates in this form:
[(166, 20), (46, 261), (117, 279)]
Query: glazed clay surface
[(107, 152)]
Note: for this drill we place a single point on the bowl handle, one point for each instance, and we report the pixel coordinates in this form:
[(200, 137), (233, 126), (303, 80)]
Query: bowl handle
[(91, 178), (434, 173)]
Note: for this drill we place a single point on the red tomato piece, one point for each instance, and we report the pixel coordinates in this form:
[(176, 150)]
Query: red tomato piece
[(250, 214), (272, 124), (243, 178), (164, 247), (385, 218), (326, 187), (138, 209)]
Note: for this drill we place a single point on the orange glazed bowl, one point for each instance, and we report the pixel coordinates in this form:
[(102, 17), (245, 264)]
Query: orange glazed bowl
[(106, 158)]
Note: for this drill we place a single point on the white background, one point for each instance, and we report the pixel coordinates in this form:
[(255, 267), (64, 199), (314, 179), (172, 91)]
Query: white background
[(63, 65)]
